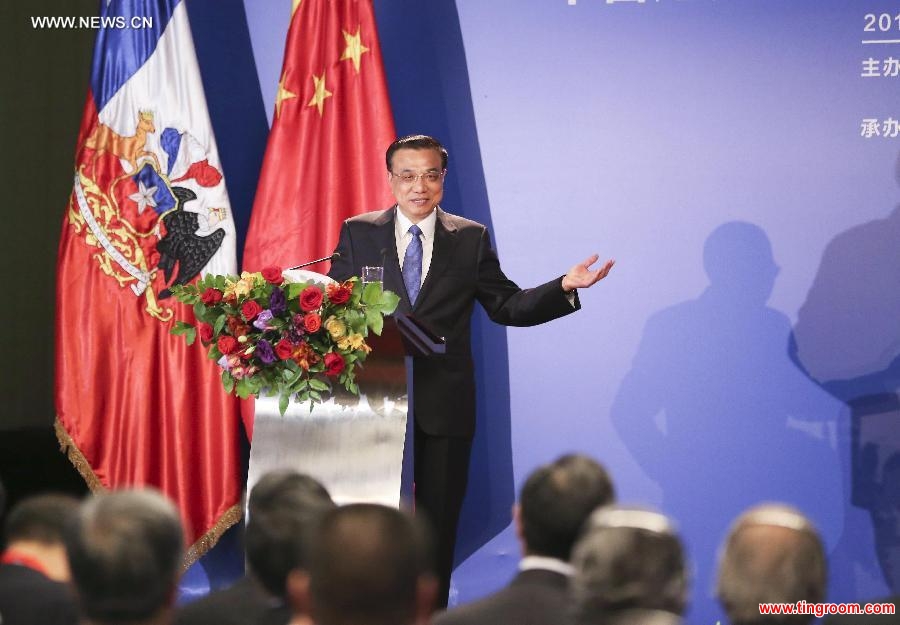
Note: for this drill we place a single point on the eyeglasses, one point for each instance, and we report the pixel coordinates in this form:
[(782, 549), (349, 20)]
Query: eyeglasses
[(430, 177)]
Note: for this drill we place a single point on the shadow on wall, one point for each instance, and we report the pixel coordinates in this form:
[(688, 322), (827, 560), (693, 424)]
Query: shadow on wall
[(715, 411), (428, 81), (847, 340)]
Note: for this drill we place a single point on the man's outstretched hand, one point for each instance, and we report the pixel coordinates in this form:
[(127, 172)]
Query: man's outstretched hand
[(581, 276)]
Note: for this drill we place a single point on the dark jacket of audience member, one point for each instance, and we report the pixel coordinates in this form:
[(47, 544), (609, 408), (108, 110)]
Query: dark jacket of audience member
[(34, 570), (371, 565), (772, 554), (629, 570), (553, 505), (125, 553), (284, 509)]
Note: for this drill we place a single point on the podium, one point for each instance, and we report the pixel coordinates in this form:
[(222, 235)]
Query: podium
[(359, 448)]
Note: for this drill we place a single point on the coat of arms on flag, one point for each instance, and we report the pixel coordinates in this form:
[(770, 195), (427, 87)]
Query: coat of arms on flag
[(153, 206)]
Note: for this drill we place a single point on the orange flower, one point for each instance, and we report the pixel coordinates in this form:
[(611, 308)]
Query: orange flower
[(305, 356)]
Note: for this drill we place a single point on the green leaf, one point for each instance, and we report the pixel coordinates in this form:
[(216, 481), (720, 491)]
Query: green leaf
[(318, 385), (191, 336), (199, 309), (388, 303), (180, 328), (283, 401), (219, 324), (294, 289), (372, 294), (375, 321), (243, 388), (227, 382)]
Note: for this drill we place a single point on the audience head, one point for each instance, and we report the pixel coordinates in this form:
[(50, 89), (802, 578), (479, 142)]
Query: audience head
[(626, 560), (36, 527), (771, 554), (125, 550), (285, 508), (556, 500), (371, 565)]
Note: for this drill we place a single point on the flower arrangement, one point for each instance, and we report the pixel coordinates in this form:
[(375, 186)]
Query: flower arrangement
[(275, 337)]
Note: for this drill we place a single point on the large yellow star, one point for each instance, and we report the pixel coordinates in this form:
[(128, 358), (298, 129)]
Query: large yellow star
[(282, 95), (318, 99), (354, 49)]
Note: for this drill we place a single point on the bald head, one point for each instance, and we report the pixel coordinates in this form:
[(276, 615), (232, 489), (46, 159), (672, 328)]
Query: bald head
[(772, 554)]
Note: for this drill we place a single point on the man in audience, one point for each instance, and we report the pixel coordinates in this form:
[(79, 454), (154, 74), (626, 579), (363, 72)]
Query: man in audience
[(371, 565), (125, 553), (553, 505), (629, 570), (772, 554), (285, 507), (34, 570)]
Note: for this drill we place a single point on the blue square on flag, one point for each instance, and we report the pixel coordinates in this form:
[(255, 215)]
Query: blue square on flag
[(153, 191)]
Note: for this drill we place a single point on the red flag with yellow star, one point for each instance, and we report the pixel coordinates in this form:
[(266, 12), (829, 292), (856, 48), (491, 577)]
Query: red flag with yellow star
[(325, 158)]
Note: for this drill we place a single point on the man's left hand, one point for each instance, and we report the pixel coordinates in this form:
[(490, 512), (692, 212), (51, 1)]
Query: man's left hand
[(581, 276)]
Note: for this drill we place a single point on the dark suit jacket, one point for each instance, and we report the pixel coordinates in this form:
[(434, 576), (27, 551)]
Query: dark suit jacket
[(534, 597), (28, 597), (244, 603), (464, 268), (868, 619)]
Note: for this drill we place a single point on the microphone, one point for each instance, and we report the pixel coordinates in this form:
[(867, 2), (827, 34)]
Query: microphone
[(313, 262)]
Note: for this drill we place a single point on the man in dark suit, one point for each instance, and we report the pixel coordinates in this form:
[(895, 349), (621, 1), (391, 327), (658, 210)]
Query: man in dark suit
[(554, 503), (370, 565), (440, 264), (34, 571), (125, 551), (284, 510)]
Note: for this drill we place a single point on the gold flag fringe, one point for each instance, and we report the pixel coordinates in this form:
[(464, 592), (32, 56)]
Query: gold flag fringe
[(202, 545)]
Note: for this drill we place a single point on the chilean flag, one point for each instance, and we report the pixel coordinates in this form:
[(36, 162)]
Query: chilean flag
[(149, 209)]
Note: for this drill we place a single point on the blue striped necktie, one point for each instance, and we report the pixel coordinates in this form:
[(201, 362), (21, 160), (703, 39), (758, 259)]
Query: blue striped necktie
[(412, 264)]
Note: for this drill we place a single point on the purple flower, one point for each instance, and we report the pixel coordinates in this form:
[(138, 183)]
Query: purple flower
[(262, 320), (277, 302), (223, 362), (265, 352)]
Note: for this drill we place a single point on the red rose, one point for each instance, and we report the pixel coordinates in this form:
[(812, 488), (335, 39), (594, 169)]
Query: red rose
[(312, 322), (272, 275), (211, 296), (334, 364), (227, 344), (284, 349), (250, 309), (206, 332), (339, 293), (310, 298)]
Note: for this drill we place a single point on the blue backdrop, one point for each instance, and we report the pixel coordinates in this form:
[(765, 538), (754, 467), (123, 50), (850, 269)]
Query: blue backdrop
[(746, 344)]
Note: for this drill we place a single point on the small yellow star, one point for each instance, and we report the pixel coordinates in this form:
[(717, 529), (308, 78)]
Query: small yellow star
[(355, 49), (294, 6), (318, 99), (282, 95)]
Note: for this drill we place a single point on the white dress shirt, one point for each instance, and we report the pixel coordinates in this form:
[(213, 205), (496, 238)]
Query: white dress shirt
[(548, 564)]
